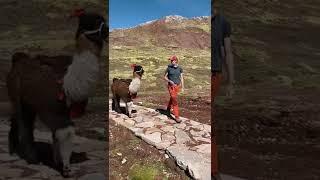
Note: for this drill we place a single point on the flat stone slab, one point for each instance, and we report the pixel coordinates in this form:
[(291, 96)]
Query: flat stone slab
[(196, 164), (181, 136), (188, 142), (8, 157), (13, 167), (7, 172)]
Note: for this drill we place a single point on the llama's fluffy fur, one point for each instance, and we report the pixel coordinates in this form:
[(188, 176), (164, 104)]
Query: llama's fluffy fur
[(81, 78), (135, 85)]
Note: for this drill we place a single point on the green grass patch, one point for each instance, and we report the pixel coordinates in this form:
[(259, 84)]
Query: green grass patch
[(145, 172), (195, 63)]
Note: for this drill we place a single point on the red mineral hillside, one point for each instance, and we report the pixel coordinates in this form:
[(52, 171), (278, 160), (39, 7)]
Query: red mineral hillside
[(169, 31)]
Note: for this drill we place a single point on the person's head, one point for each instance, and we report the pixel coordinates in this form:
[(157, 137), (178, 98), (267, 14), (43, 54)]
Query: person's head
[(137, 70), (216, 7), (174, 60)]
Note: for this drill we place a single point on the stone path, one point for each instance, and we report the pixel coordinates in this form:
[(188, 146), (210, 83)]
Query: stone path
[(92, 167), (188, 143)]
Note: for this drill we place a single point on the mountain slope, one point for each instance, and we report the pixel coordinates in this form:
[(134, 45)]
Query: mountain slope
[(170, 32)]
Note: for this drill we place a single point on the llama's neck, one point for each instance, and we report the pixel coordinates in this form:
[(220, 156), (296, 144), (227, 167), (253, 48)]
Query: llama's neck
[(135, 85), (80, 80)]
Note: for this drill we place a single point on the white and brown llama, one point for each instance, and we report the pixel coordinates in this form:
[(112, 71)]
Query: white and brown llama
[(50, 86), (126, 90)]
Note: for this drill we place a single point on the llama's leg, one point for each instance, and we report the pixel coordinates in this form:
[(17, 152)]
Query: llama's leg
[(25, 123), (117, 104), (112, 105), (13, 135), (129, 108), (63, 147)]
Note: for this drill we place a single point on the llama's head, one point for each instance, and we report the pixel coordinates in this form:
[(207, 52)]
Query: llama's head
[(137, 70), (93, 26)]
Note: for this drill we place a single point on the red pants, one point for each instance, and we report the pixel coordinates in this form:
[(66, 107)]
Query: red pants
[(215, 85), (173, 102)]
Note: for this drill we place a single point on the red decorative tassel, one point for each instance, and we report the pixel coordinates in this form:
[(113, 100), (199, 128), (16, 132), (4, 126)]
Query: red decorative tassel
[(133, 65)]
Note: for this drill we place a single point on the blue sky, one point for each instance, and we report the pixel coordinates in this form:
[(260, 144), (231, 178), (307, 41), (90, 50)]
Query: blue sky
[(129, 13)]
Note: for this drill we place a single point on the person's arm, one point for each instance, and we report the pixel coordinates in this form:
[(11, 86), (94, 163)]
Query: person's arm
[(167, 79), (229, 63), (182, 82)]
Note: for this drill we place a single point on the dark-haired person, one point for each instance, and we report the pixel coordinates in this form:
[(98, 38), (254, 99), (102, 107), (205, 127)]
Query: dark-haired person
[(174, 77)]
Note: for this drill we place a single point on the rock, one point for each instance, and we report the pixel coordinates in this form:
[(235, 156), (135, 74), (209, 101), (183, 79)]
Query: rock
[(101, 131), (163, 145), (180, 125), (198, 166), (123, 161), (119, 154), (167, 129), (307, 67), (207, 128), (4, 128), (187, 128), (197, 133), (159, 123), (194, 123), (145, 124), (207, 135), (199, 127), (284, 80), (181, 137), (204, 148), (10, 172), (4, 148), (150, 110), (99, 154), (208, 140), (168, 137), (44, 170), (8, 157), (117, 120), (3, 139), (136, 130), (162, 117), (138, 119), (152, 130), (94, 176), (130, 122), (152, 139)]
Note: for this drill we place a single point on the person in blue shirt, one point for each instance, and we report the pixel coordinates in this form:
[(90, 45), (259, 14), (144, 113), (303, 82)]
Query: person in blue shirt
[(174, 77)]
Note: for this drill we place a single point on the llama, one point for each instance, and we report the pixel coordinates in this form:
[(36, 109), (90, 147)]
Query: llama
[(126, 90), (47, 87)]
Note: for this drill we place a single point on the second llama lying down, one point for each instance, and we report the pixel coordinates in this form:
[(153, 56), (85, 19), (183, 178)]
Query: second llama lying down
[(126, 90)]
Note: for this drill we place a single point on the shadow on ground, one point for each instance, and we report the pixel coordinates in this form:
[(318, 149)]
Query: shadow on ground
[(45, 156), (165, 112)]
